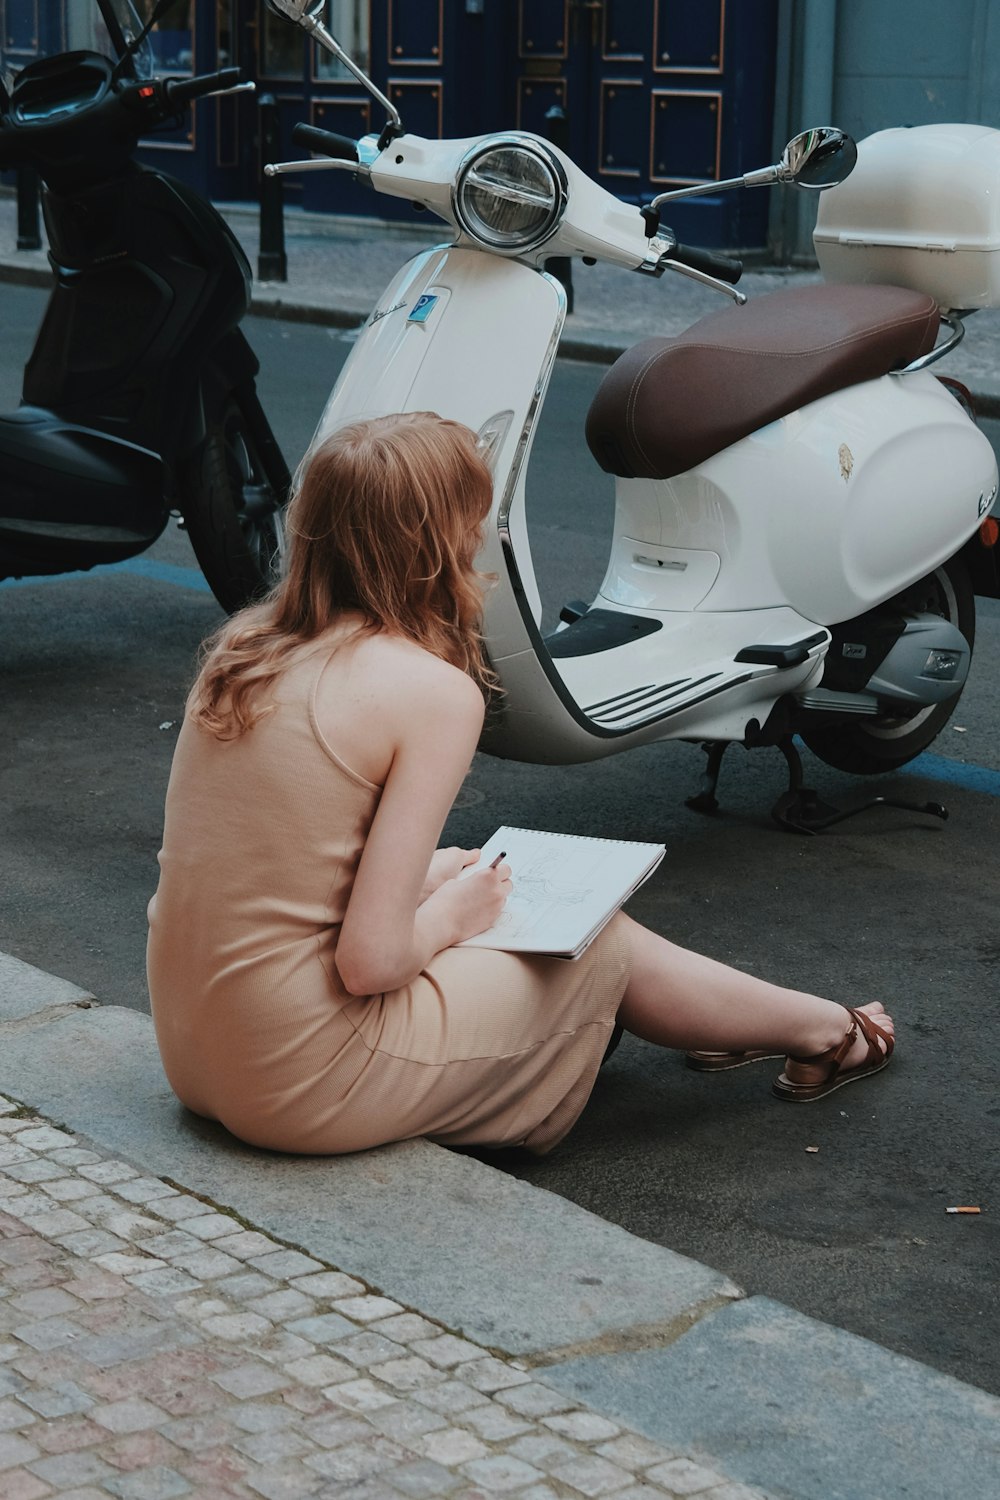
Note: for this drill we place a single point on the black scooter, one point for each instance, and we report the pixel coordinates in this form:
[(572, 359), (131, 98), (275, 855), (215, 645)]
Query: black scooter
[(139, 397)]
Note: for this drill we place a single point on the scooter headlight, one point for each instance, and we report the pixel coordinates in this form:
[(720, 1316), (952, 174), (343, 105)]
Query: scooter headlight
[(510, 193)]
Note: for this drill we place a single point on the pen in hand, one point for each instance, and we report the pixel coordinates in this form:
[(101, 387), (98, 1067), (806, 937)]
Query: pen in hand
[(500, 856)]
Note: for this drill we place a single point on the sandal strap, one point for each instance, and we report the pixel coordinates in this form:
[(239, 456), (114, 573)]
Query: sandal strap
[(873, 1034), (835, 1055)]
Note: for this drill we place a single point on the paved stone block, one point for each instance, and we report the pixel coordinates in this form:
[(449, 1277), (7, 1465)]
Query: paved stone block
[(328, 1284), (15, 1450), (325, 1328), (251, 1379), (451, 1446), (499, 1473), (319, 1370), (447, 1351), (583, 1426), (158, 1483), (490, 1374), (128, 1416), (591, 1475), (66, 1469), (494, 1423), (356, 1461), (407, 1374), (284, 1263), (449, 1397), (18, 1484), (684, 1477), (422, 1479), (366, 1309), (534, 1399), (287, 1481), (360, 1395)]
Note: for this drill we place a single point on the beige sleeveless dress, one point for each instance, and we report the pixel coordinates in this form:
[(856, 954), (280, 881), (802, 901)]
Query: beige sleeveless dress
[(261, 843)]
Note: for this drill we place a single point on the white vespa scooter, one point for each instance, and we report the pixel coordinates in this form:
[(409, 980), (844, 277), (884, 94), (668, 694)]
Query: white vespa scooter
[(794, 489)]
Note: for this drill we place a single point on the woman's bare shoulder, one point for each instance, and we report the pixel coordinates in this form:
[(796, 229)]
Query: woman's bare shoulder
[(412, 670), (381, 691)]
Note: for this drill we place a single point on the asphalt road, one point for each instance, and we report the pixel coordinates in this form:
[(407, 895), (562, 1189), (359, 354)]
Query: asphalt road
[(891, 905)]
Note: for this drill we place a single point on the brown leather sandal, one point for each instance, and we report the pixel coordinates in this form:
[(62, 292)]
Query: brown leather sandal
[(808, 1078), (721, 1062)]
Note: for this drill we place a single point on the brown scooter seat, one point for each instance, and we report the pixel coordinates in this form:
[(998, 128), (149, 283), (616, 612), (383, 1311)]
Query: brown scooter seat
[(669, 403)]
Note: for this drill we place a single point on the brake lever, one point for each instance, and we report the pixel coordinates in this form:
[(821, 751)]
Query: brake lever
[(237, 88), (317, 164), (713, 281)]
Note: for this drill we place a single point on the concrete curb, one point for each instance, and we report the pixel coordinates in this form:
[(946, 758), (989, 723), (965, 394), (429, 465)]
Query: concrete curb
[(658, 1340)]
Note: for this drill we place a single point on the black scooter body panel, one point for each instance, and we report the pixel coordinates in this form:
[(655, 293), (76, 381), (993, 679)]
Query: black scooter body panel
[(149, 278), (58, 478)]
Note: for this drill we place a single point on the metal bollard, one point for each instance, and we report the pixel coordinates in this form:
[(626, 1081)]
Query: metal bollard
[(560, 266), (29, 235), (272, 263)]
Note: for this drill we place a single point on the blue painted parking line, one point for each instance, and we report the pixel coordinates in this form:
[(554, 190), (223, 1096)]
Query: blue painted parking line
[(142, 567), (958, 772)]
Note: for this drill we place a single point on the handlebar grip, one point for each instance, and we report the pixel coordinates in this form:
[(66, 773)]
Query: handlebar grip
[(724, 267), (179, 91), (326, 142)]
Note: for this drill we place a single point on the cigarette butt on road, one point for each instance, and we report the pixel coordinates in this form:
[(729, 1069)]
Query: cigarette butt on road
[(812, 1150), (966, 1209)]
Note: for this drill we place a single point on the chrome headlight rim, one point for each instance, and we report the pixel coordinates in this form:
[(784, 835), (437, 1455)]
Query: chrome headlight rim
[(531, 146)]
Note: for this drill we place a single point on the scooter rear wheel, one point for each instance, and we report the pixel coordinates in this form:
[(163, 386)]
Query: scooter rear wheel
[(871, 747), (231, 510)]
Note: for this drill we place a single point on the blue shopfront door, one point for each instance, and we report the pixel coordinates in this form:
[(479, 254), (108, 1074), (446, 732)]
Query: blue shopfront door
[(656, 94)]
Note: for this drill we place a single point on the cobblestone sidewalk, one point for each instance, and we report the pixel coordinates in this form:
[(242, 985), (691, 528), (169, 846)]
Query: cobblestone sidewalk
[(153, 1345)]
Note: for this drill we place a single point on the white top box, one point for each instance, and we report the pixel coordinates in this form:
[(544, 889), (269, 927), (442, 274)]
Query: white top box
[(921, 209)]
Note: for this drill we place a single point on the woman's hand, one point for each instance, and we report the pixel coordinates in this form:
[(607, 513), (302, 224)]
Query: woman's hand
[(470, 906), (446, 864)]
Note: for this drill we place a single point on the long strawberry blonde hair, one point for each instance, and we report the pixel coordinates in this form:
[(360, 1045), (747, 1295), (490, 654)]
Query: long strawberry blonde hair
[(386, 520)]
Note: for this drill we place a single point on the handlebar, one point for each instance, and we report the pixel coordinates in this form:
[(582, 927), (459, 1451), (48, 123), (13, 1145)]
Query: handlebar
[(327, 142), (180, 91), (723, 267)]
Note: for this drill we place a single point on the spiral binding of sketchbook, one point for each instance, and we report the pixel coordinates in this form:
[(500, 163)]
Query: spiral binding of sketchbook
[(566, 888)]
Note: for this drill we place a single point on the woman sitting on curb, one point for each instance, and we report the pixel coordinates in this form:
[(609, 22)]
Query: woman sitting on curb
[(306, 986)]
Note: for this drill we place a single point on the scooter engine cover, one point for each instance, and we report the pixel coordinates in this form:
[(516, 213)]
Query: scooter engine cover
[(71, 484), (668, 404), (928, 664)]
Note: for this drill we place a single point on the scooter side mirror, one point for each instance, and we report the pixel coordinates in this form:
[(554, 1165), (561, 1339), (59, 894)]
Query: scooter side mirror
[(818, 158), (297, 10)]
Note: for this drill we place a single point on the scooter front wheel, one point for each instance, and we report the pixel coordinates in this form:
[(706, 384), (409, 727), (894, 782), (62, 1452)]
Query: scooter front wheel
[(233, 513), (871, 747)]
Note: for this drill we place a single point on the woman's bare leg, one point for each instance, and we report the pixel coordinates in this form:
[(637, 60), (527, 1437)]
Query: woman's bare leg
[(677, 998)]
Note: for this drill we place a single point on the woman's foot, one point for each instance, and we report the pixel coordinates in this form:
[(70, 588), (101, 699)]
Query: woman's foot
[(865, 1048)]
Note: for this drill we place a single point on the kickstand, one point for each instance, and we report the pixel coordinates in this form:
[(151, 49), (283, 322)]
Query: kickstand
[(801, 811), (705, 801)]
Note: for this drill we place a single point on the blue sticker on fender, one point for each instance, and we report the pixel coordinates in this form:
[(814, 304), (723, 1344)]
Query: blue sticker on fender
[(422, 308)]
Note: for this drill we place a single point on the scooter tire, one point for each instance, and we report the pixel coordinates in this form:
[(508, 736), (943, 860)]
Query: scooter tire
[(231, 512), (873, 747)]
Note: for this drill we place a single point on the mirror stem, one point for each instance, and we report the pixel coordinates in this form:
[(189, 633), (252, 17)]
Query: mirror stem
[(318, 31)]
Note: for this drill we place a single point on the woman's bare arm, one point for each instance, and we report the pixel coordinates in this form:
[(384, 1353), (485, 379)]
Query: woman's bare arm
[(432, 715)]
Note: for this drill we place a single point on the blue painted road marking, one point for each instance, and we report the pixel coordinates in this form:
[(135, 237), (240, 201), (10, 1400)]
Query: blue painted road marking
[(142, 567)]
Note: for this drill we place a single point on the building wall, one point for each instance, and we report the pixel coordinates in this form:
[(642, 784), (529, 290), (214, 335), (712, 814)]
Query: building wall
[(866, 65)]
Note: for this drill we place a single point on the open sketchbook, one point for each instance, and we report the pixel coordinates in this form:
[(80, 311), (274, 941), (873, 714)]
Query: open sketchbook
[(566, 888)]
